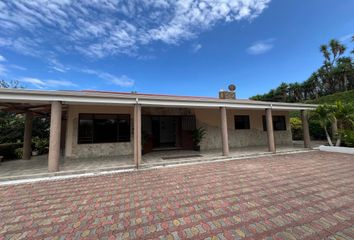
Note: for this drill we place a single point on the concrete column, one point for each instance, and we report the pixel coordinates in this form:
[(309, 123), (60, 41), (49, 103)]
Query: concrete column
[(137, 135), (54, 139), (27, 139), (270, 130), (224, 133), (305, 127)]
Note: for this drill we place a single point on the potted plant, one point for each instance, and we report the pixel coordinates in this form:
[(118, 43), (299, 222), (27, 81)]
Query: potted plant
[(198, 135)]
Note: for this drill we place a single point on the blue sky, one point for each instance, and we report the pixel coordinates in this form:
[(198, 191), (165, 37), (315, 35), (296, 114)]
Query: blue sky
[(184, 47)]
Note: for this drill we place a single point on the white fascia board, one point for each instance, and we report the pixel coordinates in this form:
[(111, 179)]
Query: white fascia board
[(71, 98)]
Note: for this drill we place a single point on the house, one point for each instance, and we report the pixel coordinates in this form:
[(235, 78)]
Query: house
[(96, 123)]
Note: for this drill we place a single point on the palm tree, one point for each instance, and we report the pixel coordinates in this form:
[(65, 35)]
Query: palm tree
[(325, 116)]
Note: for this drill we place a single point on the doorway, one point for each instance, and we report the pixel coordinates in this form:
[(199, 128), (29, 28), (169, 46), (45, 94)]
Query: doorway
[(164, 130)]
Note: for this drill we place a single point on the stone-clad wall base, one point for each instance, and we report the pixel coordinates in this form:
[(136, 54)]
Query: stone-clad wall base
[(101, 150), (241, 138)]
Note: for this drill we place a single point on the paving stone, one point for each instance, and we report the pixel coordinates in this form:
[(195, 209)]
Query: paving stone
[(297, 196)]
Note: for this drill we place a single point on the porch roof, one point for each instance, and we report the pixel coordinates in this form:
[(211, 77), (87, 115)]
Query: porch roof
[(120, 98)]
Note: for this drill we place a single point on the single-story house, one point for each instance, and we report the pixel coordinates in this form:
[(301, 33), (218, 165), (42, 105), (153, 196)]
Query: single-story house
[(97, 123)]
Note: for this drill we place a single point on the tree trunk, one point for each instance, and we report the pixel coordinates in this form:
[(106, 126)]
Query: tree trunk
[(328, 137), (345, 82), (334, 128)]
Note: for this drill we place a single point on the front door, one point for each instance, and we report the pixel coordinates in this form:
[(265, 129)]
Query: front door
[(164, 130)]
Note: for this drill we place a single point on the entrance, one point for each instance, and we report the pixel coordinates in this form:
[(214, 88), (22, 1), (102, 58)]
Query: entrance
[(164, 130), (167, 132)]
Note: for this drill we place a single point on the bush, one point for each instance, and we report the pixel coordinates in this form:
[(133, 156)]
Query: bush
[(7, 150), (41, 145), (296, 128), (348, 139), (316, 131), (18, 153)]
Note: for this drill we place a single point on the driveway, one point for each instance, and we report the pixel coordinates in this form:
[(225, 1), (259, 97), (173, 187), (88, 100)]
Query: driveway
[(296, 196)]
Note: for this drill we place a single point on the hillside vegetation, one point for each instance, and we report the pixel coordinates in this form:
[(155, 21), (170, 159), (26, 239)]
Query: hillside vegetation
[(345, 97)]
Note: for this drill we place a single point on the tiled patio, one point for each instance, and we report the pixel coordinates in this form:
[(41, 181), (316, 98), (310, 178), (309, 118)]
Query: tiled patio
[(38, 166), (296, 196)]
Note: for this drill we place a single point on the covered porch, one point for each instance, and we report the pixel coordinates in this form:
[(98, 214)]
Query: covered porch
[(65, 110)]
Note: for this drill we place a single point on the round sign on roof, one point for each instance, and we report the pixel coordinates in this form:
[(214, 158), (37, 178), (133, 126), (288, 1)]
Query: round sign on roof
[(232, 87)]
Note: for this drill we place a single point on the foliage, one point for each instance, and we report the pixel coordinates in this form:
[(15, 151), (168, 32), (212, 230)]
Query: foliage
[(346, 97), (335, 75), (7, 150), (10, 84), (40, 144), (341, 115), (18, 153), (296, 128), (348, 138), (198, 135)]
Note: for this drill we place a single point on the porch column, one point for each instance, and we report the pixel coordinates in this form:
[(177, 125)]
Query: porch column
[(305, 127), (54, 138), (27, 139), (137, 135), (270, 131), (224, 135)]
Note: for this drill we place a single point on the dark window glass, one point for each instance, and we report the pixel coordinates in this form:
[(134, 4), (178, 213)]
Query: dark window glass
[(123, 128), (242, 122), (85, 128), (103, 128), (279, 123)]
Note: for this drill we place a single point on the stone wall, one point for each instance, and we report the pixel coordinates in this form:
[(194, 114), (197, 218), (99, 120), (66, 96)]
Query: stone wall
[(210, 120)]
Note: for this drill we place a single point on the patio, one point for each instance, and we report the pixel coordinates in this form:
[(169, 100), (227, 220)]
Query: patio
[(295, 196), (38, 166)]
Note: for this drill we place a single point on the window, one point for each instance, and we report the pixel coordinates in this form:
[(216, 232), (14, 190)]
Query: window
[(103, 128), (279, 123), (242, 122)]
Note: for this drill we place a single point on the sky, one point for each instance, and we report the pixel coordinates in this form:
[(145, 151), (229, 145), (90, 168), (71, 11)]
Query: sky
[(182, 47)]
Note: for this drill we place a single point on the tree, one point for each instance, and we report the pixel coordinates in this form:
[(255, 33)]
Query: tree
[(325, 116), (342, 114), (10, 84)]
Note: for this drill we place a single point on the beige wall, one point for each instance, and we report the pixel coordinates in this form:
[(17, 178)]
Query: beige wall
[(210, 120), (75, 150), (207, 118)]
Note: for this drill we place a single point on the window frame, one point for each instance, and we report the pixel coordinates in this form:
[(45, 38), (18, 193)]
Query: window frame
[(116, 117), (248, 122)]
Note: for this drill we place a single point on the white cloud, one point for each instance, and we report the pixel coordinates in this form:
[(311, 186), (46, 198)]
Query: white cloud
[(101, 28), (50, 83), (261, 47), (2, 58), (196, 47), (122, 81), (3, 70), (346, 38)]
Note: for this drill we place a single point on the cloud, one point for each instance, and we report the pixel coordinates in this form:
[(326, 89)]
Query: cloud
[(2, 58), (122, 81), (43, 84), (261, 47), (346, 38), (3, 70), (196, 47), (103, 28)]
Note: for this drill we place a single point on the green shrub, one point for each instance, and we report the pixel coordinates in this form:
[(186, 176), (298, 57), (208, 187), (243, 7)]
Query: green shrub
[(7, 150), (40, 144), (348, 139), (296, 128), (316, 131), (18, 153)]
